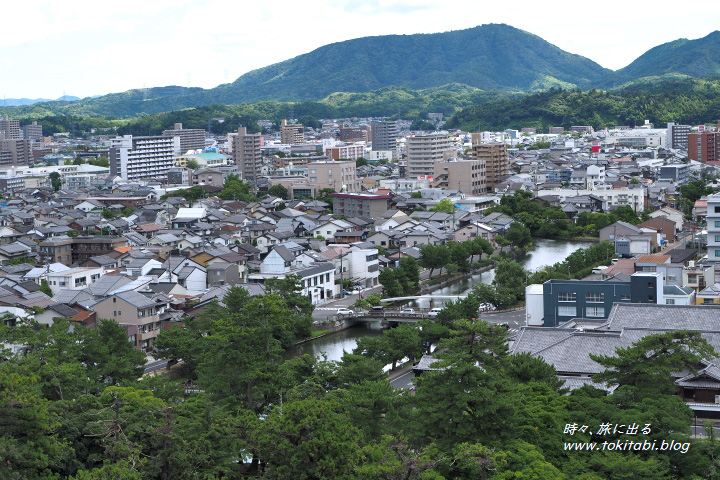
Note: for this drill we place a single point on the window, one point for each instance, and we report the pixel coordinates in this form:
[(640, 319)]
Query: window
[(567, 311), (717, 238), (707, 300), (625, 298), (717, 253), (717, 223), (670, 301), (567, 297), (595, 297), (595, 312), (648, 268)]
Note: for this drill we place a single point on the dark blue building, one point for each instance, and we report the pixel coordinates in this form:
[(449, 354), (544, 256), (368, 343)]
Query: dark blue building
[(564, 300)]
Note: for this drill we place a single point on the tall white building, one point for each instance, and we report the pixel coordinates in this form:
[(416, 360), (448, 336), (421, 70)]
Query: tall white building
[(135, 158), (713, 227)]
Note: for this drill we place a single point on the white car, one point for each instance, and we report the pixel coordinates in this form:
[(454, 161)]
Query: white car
[(434, 312), (345, 311), (486, 307), (407, 310)]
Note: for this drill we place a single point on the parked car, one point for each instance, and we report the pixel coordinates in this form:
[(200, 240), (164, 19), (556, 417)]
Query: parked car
[(345, 311), (407, 310), (434, 312), (378, 308), (486, 307)]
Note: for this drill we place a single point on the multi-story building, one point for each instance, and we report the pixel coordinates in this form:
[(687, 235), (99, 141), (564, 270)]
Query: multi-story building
[(179, 176), (496, 159), (704, 147), (139, 315), (11, 184), (32, 131), (345, 152), (15, 152), (10, 128), (74, 279), (468, 176), (190, 138), (360, 204), (292, 133), (246, 153), (69, 251), (340, 176), (676, 173), (136, 158), (424, 151), (713, 227), (677, 136), (384, 136), (354, 134)]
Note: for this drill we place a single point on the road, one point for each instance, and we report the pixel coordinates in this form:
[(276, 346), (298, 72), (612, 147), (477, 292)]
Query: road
[(155, 365), (514, 319)]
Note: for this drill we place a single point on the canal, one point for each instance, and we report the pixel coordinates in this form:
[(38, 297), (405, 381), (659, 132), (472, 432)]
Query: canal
[(545, 252)]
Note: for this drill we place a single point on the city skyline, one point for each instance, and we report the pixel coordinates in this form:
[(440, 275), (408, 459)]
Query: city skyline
[(94, 49)]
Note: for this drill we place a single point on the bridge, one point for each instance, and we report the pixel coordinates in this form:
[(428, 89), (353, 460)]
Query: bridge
[(382, 316), (421, 297)]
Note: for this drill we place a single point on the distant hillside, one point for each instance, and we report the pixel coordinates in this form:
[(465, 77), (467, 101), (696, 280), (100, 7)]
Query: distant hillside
[(19, 102), (691, 101), (695, 58)]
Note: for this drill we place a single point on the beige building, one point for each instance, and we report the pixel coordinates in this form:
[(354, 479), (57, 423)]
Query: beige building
[(424, 151), (340, 176), (15, 152), (494, 156), (292, 133), (10, 129), (468, 176), (346, 152), (246, 153), (136, 312), (360, 204)]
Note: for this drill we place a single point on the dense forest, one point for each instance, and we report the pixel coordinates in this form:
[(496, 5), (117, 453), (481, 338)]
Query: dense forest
[(688, 101), (72, 406)]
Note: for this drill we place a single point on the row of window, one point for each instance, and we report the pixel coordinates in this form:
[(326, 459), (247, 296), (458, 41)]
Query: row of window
[(309, 281), (590, 312), (589, 297)]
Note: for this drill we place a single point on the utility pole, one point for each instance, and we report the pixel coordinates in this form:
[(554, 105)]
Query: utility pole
[(342, 285)]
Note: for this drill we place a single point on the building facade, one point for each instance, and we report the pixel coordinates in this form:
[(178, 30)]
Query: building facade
[(10, 129), (345, 152), (384, 136), (468, 176), (292, 133), (677, 136), (15, 152), (424, 151), (32, 131), (713, 227), (137, 158), (495, 157), (246, 153), (704, 147), (190, 138), (340, 176), (360, 204)]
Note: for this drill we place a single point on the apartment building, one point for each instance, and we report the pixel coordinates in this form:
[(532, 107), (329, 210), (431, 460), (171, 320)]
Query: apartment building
[(15, 152), (704, 147), (10, 128), (360, 204), (74, 279), (345, 152), (32, 131), (292, 133), (354, 134), (713, 227), (384, 136), (424, 151), (190, 138), (340, 176), (137, 158), (246, 153), (677, 136), (468, 176), (69, 251), (494, 156)]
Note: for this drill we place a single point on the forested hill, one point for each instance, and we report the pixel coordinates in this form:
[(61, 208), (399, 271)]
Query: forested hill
[(689, 101), (694, 58)]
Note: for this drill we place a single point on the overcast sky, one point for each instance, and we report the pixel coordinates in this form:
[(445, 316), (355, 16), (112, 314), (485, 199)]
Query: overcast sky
[(85, 48)]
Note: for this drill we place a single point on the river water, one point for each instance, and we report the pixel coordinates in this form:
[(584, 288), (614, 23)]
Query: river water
[(545, 252)]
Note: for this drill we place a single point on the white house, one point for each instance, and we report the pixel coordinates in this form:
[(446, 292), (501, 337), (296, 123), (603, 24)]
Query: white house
[(73, 278)]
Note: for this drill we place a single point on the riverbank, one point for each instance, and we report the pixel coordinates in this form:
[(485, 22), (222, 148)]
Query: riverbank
[(429, 288)]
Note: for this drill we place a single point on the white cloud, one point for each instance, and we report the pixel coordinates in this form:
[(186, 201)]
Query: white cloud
[(87, 48)]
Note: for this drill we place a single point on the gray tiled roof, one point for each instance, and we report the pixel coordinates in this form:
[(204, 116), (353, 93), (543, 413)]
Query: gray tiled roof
[(136, 299), (672, 317)]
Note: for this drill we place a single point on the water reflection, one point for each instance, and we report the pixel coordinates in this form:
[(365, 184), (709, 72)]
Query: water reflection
[(333, 345)]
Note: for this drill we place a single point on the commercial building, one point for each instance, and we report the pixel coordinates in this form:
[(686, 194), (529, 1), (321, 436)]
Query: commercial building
[(494, 156), (360, 204), (246, 153), (190, 138), (424, 151), (136, 158), (676, 173), (354, 134), (677, 136), (704, 147), (345, 152), (10, 129), (292, 133), (384, 136), (468, 176)]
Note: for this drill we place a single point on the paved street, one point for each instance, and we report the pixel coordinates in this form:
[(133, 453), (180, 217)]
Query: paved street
[(155, 365)]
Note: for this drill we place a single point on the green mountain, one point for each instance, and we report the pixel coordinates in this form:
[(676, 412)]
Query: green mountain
[(695, 58), (490, 57)]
